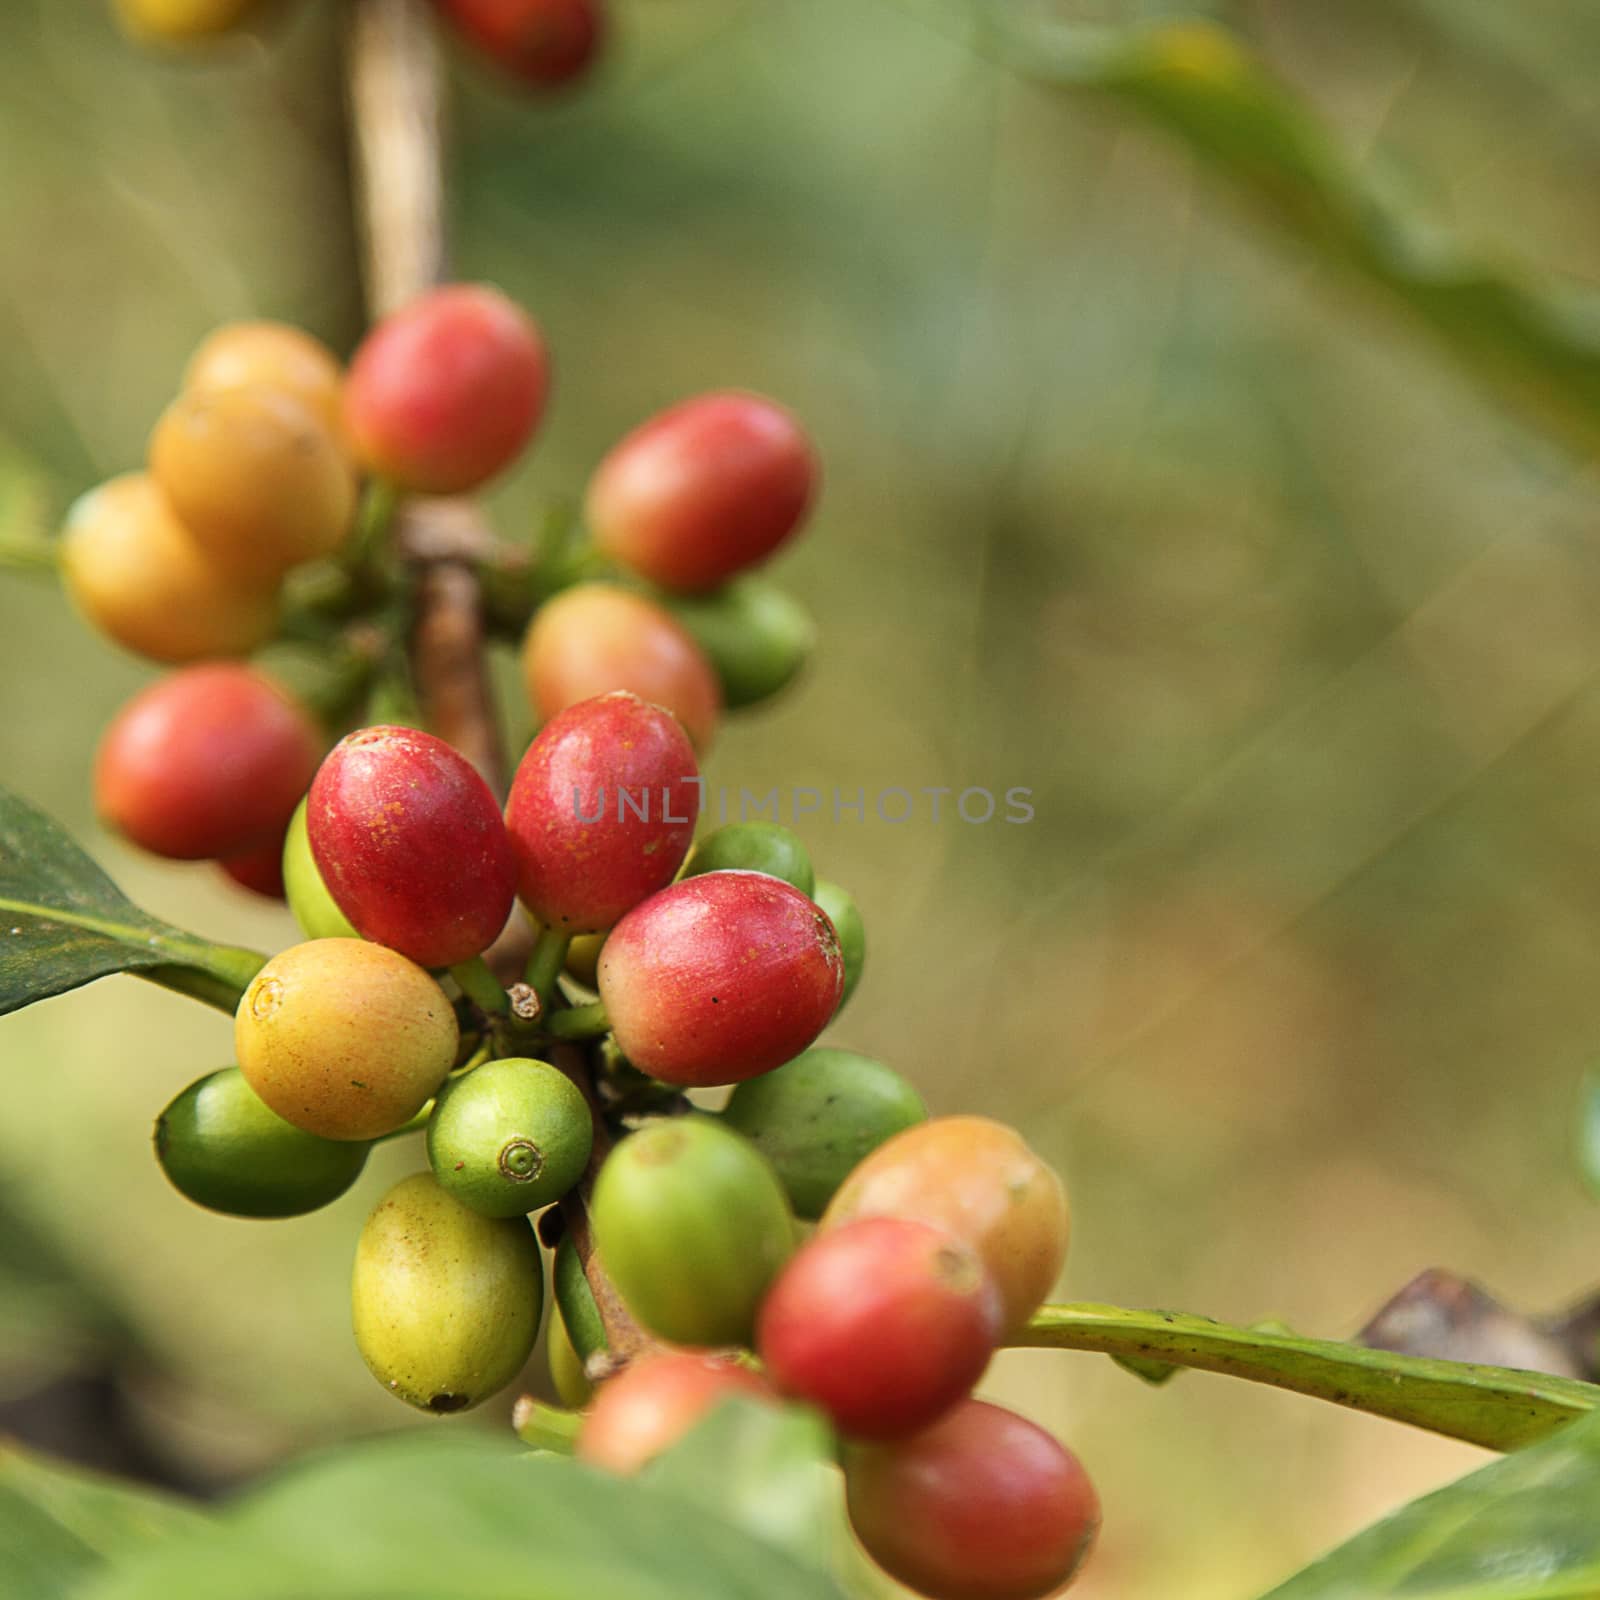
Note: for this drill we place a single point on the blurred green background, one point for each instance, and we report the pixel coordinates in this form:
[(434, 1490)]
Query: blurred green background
[(1293, 634)]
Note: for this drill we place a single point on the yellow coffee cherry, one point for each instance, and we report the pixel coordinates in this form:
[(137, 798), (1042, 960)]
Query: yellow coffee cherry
[(135, 573), (270, 355), (182, 19)]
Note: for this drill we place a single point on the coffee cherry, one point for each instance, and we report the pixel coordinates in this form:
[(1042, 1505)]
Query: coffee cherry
[(223, 1149), (654, 1401), (207, 763), (602, 810), (694, 1226), (312, 906), (344, 1039), (583, 958), (979, 1180), (510, 1137), (259, 870), (845, 916), (183, 19), (703, 490), (567, 1375), (753, 847), (883, 1323), (446, 1302), (818, 1117), (580, 1316), (720, 978), (138, 576), (756, 637), (545, 43), (596, 637), (444, 393), (271, 355), (981, 1506), (411, 845)]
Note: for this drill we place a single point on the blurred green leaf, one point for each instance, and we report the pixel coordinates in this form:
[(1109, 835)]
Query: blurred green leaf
[(1534, 345), (1496, 1407), (431, 1516), (1525, 1528), (64, 923), (58, 1524)]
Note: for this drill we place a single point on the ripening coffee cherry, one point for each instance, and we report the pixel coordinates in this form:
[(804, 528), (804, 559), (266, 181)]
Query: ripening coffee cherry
[(510, 1137), (655, 1400), (694, 1226), (595, 637), (567, 1374), (446, 1301), (259, 870), (883, 1323), (312, 906), (256, 478), (180, 20), (845, 916), (271, 355), (601, 812), (703, 490), (444, 393), (207, 763), (756, 637), (137, 574), (411, 845), (343, 1038), (223, 1149), (978, 1179), (719, 979), (981, 1506), (583, 958), (544, 43), (817, 1118), (753, 847)]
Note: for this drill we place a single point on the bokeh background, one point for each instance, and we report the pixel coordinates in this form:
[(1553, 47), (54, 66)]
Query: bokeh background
[(1292, 633)]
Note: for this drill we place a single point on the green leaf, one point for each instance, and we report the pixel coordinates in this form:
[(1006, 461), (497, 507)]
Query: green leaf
[(58, 1524), (454, 1516), (1497, 1407), (1534, 346), (64, 923), (1526, 1528)]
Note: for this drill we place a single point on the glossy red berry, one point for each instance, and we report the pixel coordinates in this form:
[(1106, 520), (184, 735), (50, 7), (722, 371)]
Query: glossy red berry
[(602, 811), (981, 1506), (445, 393), (259, 870), (411, 845), (545, 43), (210, 762), (720, 978), (703, 491), (884, 1324), (654, 1401)]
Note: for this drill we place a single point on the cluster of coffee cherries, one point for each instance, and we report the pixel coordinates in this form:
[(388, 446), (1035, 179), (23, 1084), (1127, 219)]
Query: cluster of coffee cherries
[(540, 43)]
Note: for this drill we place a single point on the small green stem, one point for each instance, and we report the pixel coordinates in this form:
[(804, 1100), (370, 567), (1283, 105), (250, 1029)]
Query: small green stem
[(374, 521), (545, 964), (481, 987), (416, 1125), (546, 1427), (579, 1022), (21, 553), (219, 979)]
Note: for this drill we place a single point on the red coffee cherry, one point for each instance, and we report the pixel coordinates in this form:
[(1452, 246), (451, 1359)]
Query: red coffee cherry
[(543, 42), (596, 637), (602, 811), (444, 393), (720, 978), (259, 870), (208, 763), (884, 1324), (411, 845), (654, 1401), (981, 1506), (702, 491)]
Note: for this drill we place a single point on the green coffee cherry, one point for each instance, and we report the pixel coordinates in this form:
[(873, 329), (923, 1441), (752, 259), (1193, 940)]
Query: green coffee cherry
[(845, 916), (571, 1382), (757, 637), (754, 847), (222, 1148), (510, 1137), (817, 1117), (313, 907), (580, 1316), (694, 1225), (446, 1302)]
